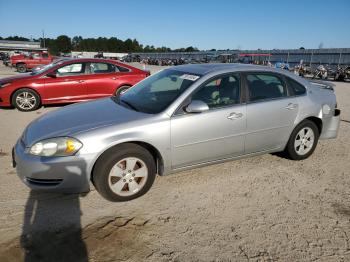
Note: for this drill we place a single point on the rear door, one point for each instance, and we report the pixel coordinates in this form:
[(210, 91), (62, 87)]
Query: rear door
[(68, 85), (271, 111), (215, 134), (102, 79)]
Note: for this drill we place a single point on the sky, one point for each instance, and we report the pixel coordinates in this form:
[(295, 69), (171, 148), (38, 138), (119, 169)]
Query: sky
[(219, 24)]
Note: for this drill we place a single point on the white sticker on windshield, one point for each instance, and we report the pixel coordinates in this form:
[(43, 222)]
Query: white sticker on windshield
[(189, 77)]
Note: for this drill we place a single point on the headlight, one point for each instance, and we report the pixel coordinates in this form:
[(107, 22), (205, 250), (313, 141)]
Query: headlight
[(60, 146)]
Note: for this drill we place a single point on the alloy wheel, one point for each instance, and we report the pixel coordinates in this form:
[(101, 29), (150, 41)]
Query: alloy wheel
[(128, 176), (304, 141), (26, 100)]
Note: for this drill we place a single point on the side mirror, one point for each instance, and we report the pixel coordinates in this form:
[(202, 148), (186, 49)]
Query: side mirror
[(51, 74), (197, 106)]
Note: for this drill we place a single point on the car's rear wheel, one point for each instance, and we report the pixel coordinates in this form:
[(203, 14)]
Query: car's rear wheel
[(124, 173), (302, 141), (26, 99), (121, 90), (21, 68)]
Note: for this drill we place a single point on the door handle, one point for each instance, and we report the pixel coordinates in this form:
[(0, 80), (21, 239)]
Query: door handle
[(81, 81), (114, 78), (291, 106), (234, 116)]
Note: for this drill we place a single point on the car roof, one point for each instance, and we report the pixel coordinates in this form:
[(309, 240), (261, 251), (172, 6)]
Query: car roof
[(91, 60), (203, 69), (96, 60)]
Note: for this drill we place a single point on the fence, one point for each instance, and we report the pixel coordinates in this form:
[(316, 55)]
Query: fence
[(311, 57)]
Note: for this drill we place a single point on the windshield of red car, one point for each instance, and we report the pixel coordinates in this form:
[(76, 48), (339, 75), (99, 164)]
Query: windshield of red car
[(46, 67)]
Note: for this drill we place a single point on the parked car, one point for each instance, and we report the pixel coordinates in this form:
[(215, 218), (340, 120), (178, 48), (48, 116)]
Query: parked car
[(23, 63), (180, 118), (321, 72), (5, 59), (67, 81), (342, 73), (3, 56)]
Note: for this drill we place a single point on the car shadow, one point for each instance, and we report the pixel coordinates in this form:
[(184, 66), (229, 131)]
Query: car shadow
[(52, 229)]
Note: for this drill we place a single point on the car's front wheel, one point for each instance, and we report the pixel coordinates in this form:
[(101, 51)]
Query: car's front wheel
[(302, 141), (26, 99), (124, 173)]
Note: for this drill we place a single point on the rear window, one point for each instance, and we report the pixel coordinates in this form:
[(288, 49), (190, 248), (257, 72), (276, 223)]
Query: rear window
[(101, 68), (265, 86), (296, 88), (123, 69)]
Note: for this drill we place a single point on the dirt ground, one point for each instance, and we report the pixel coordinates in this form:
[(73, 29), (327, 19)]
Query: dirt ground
[(264, 208)]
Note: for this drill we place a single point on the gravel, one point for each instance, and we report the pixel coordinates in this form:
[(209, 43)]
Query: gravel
[(264, 208)]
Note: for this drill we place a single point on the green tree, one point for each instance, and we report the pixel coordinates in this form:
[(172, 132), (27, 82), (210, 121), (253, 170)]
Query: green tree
[(63, 44)]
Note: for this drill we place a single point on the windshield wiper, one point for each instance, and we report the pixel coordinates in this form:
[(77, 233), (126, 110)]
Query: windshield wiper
[(129, 105)]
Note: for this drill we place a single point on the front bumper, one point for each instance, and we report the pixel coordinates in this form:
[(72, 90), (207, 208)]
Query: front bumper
[(331, 126), (54, 174), (4, 98)]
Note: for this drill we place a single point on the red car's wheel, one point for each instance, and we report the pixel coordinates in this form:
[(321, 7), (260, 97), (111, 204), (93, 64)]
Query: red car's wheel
[(26, 99), (121, 90)]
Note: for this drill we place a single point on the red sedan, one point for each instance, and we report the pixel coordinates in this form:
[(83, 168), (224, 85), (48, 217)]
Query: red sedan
[(67, 81)]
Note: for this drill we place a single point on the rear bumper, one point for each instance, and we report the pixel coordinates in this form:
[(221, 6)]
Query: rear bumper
[(331, 126), (54, 174)]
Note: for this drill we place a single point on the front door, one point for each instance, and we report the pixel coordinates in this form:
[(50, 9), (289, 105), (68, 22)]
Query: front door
[(67, 86), (215, 134), (271, 112)]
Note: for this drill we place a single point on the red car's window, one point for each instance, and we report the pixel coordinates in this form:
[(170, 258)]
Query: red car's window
[(102, 68), (71, 69)]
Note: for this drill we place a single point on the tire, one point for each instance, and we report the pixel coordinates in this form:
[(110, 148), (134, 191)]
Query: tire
[(308, 143), (113, 178), (26, 100), (121, 90), (21, 68)]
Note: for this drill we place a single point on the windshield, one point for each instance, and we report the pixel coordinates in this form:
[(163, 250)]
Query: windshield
[(46, 67), (157, 92)]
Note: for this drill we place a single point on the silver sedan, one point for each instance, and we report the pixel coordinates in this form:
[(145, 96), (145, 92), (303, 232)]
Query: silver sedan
[(180, 118)]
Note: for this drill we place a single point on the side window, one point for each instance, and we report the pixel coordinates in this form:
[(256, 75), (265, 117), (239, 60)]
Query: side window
[(297, 88), (265, 86), (71, 69), (102, 68), (123, 69), (219, 92)]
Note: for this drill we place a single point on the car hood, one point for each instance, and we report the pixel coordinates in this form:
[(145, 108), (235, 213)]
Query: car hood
[(17, 77), (77, 118)]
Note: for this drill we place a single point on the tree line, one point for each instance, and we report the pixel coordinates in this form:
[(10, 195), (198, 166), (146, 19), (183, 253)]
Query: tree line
[(65, 44)]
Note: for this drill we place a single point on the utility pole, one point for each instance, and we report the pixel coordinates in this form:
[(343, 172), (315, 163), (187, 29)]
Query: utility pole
[(339, 58), (43, 38), (312, 54)]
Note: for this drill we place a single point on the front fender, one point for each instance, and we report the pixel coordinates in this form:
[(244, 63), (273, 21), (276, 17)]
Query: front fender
[(99, 141)]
